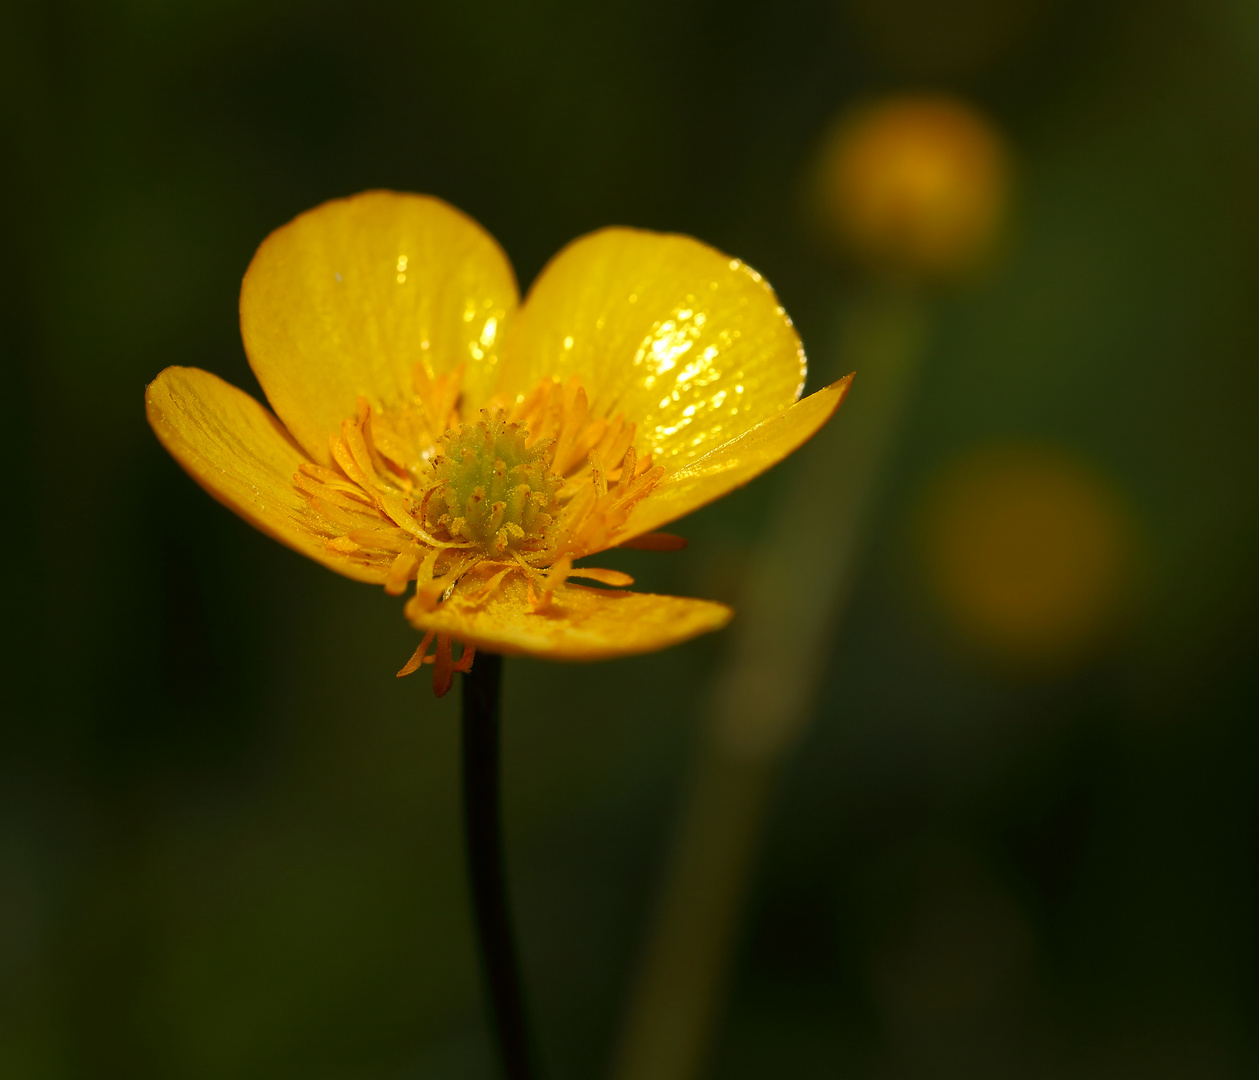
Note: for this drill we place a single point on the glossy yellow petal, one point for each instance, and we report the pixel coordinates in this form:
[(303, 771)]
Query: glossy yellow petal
[(734, 463), (579, 624), (691, 345), (347, 298), (238, 452)]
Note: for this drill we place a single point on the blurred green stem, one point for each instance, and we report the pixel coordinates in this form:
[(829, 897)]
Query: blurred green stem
[(484, 825), (764, 695)]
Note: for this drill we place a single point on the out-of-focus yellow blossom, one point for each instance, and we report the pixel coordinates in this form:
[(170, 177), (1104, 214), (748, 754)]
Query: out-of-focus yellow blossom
[(430, 427), (915, 185), (1029, 551)]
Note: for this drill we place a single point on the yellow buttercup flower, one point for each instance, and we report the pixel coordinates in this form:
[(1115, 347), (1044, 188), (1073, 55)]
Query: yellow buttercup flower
[(434, 428)]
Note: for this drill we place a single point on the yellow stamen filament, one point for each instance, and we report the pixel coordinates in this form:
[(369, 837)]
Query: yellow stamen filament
[(422, 496), (439, 396), (400, 574), (417, 657), (444, 665), (487, 590), (598, 474), (604, 577), (547, 583)]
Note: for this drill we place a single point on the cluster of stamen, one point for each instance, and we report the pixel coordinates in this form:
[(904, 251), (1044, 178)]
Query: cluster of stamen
[(491, 490), (534, 483)]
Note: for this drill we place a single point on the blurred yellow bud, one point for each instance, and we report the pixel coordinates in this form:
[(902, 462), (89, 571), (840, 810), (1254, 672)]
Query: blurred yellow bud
[(1030, 552), (915, 185)]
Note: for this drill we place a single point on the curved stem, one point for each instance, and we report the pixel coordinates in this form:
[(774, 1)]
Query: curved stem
[(483, 823)]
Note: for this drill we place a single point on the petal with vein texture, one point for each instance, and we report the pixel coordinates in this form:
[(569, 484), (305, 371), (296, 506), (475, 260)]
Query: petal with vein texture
[(734, 463), (348, 297), (238, 452), (691, 345), (580, 623)]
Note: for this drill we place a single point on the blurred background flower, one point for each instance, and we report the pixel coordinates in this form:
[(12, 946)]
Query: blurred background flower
[(229, 846), (914, 186), (1029, 552)]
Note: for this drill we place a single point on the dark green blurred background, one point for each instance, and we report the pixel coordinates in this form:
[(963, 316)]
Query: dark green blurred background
[(229, 839)]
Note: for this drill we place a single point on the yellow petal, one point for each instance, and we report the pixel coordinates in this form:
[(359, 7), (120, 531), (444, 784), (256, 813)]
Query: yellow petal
[(579, 624), (238, 452), (348, 297), (734, 463), (690, 344)]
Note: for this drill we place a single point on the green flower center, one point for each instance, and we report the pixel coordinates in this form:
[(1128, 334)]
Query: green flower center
[(492, 491)]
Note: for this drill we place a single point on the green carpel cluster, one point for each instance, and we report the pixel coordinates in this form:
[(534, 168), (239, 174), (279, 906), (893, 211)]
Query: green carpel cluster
[(491, 490)]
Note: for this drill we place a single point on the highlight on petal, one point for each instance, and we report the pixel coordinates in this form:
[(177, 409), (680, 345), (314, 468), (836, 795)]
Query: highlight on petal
[(689, 344), (235, 449), (579, 623), (348, 298), (734, 463)]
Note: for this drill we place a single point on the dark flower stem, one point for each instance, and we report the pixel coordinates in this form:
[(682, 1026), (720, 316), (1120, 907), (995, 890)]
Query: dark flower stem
[(483, 819)]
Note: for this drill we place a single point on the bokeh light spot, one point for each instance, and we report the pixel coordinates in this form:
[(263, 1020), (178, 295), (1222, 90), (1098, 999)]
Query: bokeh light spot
[(915, 184), (1030, 553)]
